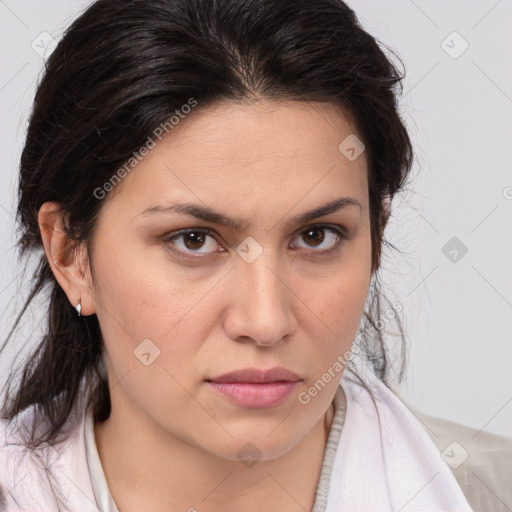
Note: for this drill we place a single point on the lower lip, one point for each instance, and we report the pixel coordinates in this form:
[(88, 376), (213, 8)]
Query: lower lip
[(252, 395)]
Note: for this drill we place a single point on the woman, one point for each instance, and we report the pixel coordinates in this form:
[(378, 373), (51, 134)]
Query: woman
[(209, 183)]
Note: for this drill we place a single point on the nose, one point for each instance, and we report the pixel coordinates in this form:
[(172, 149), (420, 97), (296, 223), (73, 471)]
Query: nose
[(260, 307)]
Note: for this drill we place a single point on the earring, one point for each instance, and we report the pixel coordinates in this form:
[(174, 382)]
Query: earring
[(79, 308)]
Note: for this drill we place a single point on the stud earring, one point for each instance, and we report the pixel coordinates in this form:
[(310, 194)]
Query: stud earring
[(79, 308)]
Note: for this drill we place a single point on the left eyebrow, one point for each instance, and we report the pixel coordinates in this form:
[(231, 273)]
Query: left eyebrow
[(326, 209), (207, 214)]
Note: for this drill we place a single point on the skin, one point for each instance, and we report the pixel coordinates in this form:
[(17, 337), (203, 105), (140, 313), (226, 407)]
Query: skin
[(171, 442)]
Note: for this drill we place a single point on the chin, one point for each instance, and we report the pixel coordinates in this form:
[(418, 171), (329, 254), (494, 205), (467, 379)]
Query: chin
[(250, 448)]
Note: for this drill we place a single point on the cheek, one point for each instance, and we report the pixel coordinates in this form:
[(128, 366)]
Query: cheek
[(340, 300), (146, 298), (337, 305), (333, 328), (140, 289), (343, 304)]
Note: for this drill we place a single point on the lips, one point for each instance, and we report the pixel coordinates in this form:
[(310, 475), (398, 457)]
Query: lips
[(254, 388), (258, 376)]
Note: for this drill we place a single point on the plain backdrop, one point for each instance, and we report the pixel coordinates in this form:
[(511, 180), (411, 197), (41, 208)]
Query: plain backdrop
[(452, 225)]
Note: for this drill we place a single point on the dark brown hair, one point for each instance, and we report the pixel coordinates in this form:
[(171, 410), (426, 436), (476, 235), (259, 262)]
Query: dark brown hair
[(123, 68)]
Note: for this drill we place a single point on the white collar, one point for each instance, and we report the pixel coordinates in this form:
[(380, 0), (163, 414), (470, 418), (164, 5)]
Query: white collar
[(385, 460)]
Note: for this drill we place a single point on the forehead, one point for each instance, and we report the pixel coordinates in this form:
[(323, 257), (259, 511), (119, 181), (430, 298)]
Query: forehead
[(280, 151), (233, 132)]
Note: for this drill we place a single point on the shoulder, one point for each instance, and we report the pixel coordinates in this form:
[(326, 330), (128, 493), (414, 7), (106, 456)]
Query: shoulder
[(38, 478), (21, 473), (480, 461)]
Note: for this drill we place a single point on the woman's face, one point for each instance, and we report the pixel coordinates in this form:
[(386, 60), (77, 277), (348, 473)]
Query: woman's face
[(177, 312)]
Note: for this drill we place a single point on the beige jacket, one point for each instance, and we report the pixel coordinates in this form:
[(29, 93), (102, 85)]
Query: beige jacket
[(480, 461)]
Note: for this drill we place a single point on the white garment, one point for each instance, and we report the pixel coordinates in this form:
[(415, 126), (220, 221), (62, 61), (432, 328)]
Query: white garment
[(102, 495), (384, 460)]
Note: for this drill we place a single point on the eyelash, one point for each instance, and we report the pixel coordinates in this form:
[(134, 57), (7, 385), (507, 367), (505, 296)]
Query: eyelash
[(341, 237)]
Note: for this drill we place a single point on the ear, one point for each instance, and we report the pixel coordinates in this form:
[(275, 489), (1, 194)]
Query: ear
[(70, 265)]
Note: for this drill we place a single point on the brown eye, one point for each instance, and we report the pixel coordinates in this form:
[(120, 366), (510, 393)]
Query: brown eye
[(314, 235), (327, 238), (193, 240)]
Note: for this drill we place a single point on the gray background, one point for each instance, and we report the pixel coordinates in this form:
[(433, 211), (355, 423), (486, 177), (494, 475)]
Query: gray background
[(458, 108)]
